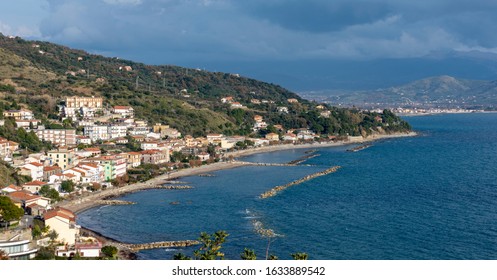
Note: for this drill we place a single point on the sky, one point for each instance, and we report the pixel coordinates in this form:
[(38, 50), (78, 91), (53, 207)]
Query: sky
[(303, 45)]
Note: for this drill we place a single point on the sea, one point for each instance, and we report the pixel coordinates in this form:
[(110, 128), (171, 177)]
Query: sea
[(429, 197)]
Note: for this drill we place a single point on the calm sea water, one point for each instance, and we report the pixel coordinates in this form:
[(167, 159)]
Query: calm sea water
[(428, 197)]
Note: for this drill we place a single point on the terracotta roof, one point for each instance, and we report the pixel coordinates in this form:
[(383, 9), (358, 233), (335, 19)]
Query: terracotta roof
[(36, 164), (60, 212), (35, 183), (121, 107), (51, 168), (92, 149), (23, 196)]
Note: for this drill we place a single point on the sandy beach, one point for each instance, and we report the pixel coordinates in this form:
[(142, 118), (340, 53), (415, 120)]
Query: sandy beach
[(91, 200)]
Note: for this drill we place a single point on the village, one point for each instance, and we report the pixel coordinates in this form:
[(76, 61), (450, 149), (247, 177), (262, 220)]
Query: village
[(112, 150)]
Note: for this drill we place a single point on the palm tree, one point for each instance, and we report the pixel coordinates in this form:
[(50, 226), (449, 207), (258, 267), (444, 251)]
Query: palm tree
[(300, 256), (248, 255)]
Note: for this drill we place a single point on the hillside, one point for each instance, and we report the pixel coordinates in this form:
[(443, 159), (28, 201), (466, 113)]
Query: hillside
[(38, 75), (432, 92)]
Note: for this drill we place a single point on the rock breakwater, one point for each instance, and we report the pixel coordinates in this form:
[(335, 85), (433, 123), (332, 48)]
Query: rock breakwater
[(274, 191)]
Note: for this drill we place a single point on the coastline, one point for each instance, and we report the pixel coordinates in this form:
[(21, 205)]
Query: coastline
[(92, 200)]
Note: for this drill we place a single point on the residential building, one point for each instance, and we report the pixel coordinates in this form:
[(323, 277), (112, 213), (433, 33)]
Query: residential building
[(27, 124), (21, 114), (85, 106), (7, 148), (292, 100), (63, 157), (58, 137), (151, 145), (116, 131), (203, 156), (124, 111), (63, 221), (33, 186), (282, 109), (113, 166), (155, 156), (289, 137), (28, 201), (97, 132), (214, 138), (133, 159), (32, 169), (236, 105), (18, 244), (272, 137), (49, 171)]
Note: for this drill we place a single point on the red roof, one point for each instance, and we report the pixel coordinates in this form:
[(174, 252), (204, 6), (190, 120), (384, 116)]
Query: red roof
[(36, 164), (51, 168), (23, 196), (35, 183), (60, 212)]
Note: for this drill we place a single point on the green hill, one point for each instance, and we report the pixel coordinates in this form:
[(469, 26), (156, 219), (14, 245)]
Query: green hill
[(38, 75)]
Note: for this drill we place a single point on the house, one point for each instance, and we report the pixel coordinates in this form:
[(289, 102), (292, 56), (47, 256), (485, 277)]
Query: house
[(27, 124), (85, 106), (320, 107), (282, 109), (34, 186), (214, 138), (154, 157), (88, 248), (80, 139), (236, 105), (289, 137), (7, 148), (272, 137), (63, 221), (255, 101), (228, 99), (88, 152), (33, 169), (292, 100), (133, 159), (258, 118), (49, 171), (124, 111), (22, 114), (203, 156), (27, 200), (63, 157), (10, 189), (149, 145)]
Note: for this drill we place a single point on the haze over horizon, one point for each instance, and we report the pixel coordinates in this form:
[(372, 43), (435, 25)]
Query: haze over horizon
[(302, 45)]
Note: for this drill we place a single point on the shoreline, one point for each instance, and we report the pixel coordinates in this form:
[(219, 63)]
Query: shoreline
[(90, 201)]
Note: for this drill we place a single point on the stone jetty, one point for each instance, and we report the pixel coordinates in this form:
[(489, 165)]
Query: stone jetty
[(114, 202), (167, 187), (160, 244), (274, 191)]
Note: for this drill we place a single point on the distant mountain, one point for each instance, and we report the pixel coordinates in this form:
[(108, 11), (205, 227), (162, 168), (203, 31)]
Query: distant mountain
[(432, 92)]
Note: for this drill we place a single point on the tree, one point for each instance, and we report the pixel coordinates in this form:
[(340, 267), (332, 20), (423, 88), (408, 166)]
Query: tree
[(109, 251), (67, 186), (300, 256), (48, 192), (248, 254), (53, 235), (211, 246), (9, 211)]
